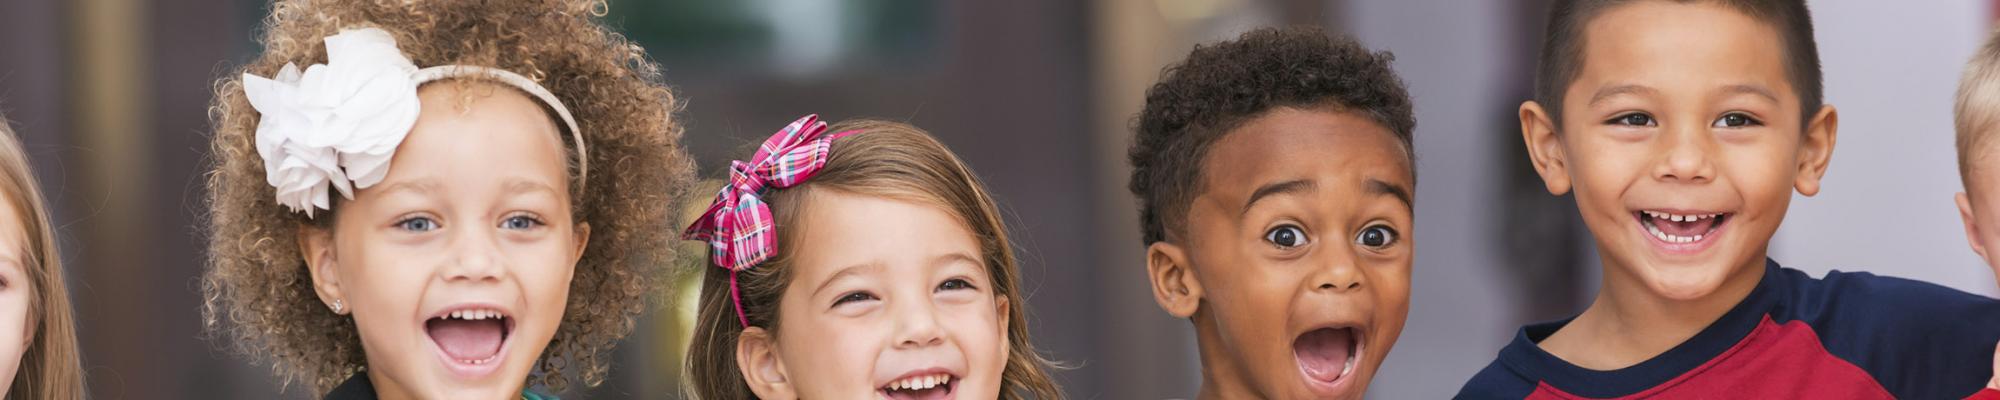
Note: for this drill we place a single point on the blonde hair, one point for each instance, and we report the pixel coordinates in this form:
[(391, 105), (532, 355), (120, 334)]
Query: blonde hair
[(50, 368), (1977, 109), (885, 159), (258, 298)]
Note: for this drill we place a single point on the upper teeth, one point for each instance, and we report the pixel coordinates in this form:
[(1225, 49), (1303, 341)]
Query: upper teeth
[(476, 314), (920, 382), (1679, 217)]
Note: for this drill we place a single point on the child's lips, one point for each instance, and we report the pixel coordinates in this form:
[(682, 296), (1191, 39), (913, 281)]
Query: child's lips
[(1329, 357), (925, 384), (471, 340), (1682, 231)]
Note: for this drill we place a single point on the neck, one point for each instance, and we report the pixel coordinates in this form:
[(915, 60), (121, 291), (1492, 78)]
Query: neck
[(1629, 323), (1221, 377), (387, 388)]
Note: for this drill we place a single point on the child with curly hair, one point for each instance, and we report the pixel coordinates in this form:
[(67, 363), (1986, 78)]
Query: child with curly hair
[(505, 173)]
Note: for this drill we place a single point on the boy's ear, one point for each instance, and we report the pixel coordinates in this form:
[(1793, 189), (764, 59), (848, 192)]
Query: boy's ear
[(757, 359), (1971, 225), (1816, 149), (1174, 284), (1545, 149), (316, 245)]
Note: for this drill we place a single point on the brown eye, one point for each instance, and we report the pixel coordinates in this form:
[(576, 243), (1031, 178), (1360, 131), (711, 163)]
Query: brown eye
[(1376, 236), (955, 284), (1735, 120), (1633, 119), (1287, 236)]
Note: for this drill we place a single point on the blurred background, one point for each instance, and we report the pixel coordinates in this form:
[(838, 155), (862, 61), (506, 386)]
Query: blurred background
[(110, 97)]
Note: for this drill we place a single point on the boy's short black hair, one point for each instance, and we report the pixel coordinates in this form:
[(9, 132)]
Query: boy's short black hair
[(1222, 85), (1562, 47)]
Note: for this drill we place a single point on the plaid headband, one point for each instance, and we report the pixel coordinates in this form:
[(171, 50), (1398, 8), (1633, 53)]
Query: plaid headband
[(738, 225)]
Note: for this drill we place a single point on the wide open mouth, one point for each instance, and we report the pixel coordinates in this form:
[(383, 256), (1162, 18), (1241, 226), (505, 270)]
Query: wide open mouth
[(924, 386), (472, 336), (1684, 228), (1328, 355)]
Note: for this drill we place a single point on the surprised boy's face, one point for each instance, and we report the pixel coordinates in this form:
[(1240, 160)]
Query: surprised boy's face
[(1296, 262), (1682, 140)]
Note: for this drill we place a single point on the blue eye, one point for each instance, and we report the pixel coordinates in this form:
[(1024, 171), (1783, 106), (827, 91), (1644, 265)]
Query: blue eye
[(955, 284), (1633, 119), (417, 224), (1735, 120), (520, 222), (1376, 236), (1286, 236)]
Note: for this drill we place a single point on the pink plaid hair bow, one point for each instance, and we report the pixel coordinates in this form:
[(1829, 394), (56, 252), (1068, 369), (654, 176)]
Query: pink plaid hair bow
[(738, 225)]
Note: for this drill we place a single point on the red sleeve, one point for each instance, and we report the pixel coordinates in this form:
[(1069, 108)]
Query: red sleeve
[(1985, 394)]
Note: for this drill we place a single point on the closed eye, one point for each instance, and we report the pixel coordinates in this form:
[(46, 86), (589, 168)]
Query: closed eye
[(853, 297)]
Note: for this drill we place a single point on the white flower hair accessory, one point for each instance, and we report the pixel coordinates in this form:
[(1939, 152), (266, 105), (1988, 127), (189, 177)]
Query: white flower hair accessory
[(336, 125)]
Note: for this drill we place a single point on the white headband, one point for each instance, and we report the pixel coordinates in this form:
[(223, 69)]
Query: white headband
[(337, 124)]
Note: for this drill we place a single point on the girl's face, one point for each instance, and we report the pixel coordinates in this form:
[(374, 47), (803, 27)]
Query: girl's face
[(16, 295), (456, 267), (888, 299)]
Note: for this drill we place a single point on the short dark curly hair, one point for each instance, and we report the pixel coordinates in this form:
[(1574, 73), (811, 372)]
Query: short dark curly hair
[(258, 298), (1222, 85)]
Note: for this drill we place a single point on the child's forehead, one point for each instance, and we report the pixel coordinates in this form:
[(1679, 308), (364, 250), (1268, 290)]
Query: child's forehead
[(1329, 149), (1669, 46)]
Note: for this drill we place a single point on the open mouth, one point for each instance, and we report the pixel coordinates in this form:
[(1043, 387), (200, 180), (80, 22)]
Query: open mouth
[(1328, 356), (470, 337), (925, 386), (1687, 228)]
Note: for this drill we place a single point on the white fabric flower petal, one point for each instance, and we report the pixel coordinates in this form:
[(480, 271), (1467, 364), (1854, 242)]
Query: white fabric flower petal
[(334, 126)]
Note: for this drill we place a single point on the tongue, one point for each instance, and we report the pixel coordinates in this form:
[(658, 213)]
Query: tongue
[(1686, 228), (1323, 353), (467, 340)]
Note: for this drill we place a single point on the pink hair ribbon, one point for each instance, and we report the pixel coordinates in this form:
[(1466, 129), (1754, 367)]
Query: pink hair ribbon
[(738, 226)]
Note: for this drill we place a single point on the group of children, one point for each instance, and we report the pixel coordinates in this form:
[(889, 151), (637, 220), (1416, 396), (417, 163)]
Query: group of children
[(476, 200)]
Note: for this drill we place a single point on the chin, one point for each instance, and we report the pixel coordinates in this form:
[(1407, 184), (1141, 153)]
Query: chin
[(1687, 282)]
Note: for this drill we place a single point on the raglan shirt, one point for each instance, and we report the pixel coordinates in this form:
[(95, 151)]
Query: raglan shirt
[(1844, 336)]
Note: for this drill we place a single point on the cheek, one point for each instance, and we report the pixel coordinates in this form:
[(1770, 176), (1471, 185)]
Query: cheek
[(830, 355)]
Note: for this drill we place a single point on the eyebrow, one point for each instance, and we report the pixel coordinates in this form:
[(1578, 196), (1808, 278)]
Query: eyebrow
[(1378, 186), (518, 185), (845, 271), (420, 186), (1759, 90), (1615, 90), (1287, 187)]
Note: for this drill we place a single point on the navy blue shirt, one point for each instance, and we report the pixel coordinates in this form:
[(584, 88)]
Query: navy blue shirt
[(1847, 335)]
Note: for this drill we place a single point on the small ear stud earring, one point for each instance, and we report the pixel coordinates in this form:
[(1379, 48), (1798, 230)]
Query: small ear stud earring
[(338, 307)]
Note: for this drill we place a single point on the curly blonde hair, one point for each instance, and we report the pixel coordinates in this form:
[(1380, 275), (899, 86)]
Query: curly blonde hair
[(257, 294)]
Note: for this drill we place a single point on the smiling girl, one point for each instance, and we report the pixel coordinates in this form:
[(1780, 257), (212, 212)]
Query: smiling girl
[(424, 209), (878, 269)]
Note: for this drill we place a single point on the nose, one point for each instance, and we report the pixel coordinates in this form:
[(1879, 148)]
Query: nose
[(917, 325), (1685, 155), (1340, 273), (474, 256)]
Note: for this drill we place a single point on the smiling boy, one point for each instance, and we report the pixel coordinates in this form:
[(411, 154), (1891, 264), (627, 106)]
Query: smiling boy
[(1275, 174), (1682, 128)]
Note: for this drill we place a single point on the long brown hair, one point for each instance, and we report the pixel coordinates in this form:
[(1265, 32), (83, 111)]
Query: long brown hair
[(50, 368), (886, 159)]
